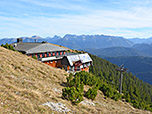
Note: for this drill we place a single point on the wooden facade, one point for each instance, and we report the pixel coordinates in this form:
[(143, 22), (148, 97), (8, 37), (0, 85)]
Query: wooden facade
[(47, 54), (53, 63), (76, 65)]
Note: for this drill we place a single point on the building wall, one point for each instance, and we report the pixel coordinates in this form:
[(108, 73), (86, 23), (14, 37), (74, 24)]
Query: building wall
[(85, 69), (47, 54), (56, 63), (64, 63), (52, 64)]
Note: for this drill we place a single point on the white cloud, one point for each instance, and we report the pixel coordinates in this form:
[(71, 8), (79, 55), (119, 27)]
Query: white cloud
[(92, 22), (58, 4)]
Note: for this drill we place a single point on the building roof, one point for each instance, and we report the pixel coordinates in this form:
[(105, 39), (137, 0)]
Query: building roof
[(84, 58), (30, 48)]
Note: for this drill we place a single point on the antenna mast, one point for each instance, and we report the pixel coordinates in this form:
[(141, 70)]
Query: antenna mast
[(121, 69)]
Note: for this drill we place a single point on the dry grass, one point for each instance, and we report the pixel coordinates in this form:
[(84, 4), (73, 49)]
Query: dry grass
[(26, 84)]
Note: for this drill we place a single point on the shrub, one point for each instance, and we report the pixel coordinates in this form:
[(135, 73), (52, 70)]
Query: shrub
[(34, 57), (7, 46), (107, 90), (74, 91), (127, 97), (116, 96), (69, 79), (73, 94), (87, 78), (91, 93)]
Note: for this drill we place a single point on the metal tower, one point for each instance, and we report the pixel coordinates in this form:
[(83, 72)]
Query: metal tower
[(121, 69)]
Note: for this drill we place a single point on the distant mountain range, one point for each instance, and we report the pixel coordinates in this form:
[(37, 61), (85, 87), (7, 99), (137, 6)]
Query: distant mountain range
[(141, 40), (84, 41), (100, 45), (135, 50), (78, 42)]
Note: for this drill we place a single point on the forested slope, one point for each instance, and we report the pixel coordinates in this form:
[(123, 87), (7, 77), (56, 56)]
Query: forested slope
[(135, 91), (138, 65)]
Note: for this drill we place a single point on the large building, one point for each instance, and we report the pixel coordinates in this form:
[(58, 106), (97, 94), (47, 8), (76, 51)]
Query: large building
[(54, 56)]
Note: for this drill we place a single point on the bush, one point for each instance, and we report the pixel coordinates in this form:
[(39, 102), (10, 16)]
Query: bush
[(116, 96), (74, 91), (91, 93), (127, 97), (107, 90), (73, 94), (69, 79), (7, 46), (34, 57), (87, 78)]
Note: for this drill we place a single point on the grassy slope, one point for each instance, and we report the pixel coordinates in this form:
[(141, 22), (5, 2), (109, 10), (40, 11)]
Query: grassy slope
[(26, 84)]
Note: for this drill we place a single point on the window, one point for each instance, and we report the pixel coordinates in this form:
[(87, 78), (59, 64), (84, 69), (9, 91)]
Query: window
[(38, 55), (84, 65), (43, 55), (47, 54), (57, 53), (71, 68), (78, 68)]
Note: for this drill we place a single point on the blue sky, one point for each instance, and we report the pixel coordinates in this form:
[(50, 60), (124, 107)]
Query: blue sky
[(127, 18)]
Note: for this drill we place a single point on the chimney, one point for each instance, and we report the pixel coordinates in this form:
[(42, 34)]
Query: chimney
[(19, 40)]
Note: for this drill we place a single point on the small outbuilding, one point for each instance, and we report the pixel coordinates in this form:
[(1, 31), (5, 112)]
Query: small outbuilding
[(77, 62)]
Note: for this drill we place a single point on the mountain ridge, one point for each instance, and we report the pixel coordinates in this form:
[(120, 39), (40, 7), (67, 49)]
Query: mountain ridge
[(83, 41), (115, 51)]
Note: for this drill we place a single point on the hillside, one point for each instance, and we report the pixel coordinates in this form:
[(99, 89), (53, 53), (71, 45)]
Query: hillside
[(145, 48), (137, 59), (115, 52), (135, 91), (139, 66), (31, 87)]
